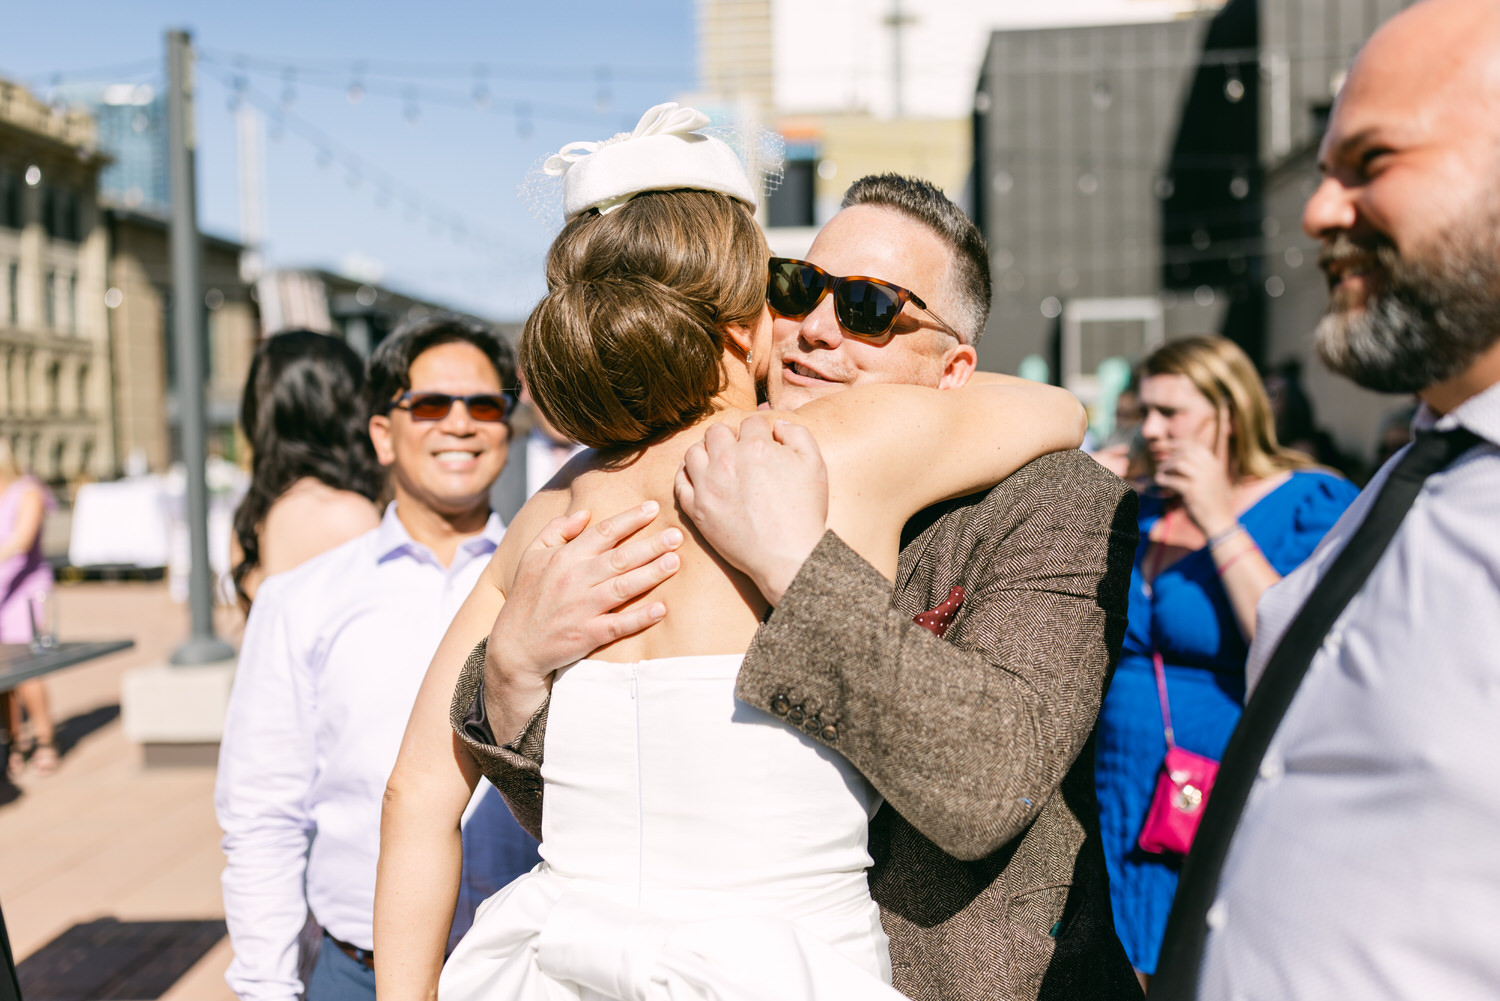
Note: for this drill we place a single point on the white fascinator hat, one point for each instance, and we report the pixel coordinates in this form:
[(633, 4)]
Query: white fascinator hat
[(670, 148)]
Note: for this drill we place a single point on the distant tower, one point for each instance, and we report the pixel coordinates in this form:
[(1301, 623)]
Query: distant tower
[(250, 128), (132, 130)]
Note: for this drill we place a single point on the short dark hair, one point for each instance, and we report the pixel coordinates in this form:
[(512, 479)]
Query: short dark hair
[(969, 275), (390, 365)]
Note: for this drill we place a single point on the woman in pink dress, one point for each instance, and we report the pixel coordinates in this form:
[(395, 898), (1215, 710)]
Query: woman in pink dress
[(24, 573)]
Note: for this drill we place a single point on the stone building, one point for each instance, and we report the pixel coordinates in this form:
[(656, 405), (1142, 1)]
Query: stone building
[(146, 372), (56, 405)]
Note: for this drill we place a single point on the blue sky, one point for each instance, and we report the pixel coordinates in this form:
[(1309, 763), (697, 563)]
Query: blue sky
[(585, 69)]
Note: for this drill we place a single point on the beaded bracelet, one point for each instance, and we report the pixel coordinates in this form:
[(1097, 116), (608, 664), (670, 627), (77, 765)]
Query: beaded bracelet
[(1218, 537)]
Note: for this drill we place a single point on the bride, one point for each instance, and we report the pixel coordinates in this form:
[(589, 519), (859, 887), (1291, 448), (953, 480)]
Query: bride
[(693, 846)]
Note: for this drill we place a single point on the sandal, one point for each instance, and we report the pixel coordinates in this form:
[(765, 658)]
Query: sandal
[(15, 763), (44, 758)]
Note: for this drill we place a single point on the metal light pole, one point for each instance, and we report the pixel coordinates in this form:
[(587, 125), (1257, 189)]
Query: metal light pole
[(202, 646)]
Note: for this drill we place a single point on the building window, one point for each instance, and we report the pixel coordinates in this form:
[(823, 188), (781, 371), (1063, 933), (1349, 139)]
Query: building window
[(72, 304), (54, 387), (13, 293), (60, 215), (791, 204), (70, 226), (83, 390), (10, 200), (49, 301), (59, 457)]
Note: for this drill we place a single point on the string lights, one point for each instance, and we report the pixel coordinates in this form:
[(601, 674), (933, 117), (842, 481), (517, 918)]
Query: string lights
[(441, 220), (411, 85)]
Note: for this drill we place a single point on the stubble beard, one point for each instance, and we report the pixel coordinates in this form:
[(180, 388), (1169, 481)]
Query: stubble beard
[(1428, 319)]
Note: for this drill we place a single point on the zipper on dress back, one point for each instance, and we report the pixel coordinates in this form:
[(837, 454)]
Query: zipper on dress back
[(640, 818)]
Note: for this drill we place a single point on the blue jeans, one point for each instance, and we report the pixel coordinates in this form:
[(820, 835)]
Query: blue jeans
[(337, 977)]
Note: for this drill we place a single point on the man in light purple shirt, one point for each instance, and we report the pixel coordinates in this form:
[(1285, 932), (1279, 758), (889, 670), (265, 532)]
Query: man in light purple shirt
[(334, 652)]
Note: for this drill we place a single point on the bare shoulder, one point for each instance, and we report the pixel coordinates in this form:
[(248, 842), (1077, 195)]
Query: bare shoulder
[(309, 519), (543, 506), (317, 504)]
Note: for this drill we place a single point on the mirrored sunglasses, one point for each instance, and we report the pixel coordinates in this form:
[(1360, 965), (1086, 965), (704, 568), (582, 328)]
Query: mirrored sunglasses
[(865, 307)]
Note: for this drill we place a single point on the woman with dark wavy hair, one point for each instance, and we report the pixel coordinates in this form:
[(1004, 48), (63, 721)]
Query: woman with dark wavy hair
[(314, 480)]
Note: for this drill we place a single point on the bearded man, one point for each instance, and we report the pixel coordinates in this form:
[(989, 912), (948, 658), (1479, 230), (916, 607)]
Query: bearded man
[(1348, 848)]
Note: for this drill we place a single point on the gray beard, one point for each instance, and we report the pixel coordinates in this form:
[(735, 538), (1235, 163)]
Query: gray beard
[(1428, 322)]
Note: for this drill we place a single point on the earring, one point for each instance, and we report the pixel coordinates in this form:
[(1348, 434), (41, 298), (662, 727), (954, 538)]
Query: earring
[(749, 356)]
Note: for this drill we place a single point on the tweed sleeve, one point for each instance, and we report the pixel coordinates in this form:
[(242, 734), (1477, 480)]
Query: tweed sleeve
[(966, 736), (515, 768)]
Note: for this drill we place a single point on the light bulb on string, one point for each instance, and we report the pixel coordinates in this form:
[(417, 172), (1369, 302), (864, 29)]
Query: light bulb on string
[(413, 111), (1234, 87), (603, 96), (524, 126), (481, 88), (237, 94), (324, 158), (356, 91), (288, 88)]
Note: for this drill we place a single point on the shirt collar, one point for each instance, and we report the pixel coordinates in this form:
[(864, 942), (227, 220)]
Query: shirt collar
[(1480, 413), (392, 539)]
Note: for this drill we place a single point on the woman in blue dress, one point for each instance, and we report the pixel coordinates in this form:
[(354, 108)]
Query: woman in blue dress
[(1230, 513)]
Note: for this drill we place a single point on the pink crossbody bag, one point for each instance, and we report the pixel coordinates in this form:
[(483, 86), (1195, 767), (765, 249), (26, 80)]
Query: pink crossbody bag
[(1182, 785)]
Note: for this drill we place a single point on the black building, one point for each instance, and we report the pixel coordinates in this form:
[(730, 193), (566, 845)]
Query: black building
[(1144, 181)]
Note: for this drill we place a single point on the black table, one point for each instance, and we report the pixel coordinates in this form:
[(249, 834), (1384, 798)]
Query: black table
[(18, 663)]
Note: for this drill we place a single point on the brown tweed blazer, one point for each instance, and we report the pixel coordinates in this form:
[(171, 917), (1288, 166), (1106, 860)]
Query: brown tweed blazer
[(987, 863)]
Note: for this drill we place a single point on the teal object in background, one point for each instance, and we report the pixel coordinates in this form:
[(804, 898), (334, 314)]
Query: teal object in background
[(1035, 368), (1113, 376)]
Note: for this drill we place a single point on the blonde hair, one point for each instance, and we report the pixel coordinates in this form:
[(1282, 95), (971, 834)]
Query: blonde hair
[(1224, 375)]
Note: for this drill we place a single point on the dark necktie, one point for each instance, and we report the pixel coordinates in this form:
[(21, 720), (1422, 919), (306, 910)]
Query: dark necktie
[(1182, 948)]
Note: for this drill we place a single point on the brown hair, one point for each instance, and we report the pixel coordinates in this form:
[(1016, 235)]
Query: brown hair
[(1223, 373), (628, 342)]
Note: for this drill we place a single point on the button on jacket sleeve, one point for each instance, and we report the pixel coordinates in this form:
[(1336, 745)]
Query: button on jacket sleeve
[(267, 763)]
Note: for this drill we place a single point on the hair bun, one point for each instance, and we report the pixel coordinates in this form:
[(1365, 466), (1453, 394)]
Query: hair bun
[(628, 344), (617, 360)]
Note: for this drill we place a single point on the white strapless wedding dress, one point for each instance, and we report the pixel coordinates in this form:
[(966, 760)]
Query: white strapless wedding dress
[(693, 848)]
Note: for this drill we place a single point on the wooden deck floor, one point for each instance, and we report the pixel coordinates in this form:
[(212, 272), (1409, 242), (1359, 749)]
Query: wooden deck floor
[(103, 837)]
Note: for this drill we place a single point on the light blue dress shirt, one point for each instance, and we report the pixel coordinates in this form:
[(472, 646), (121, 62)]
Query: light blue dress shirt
[(1365, 863), (333, 655)]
